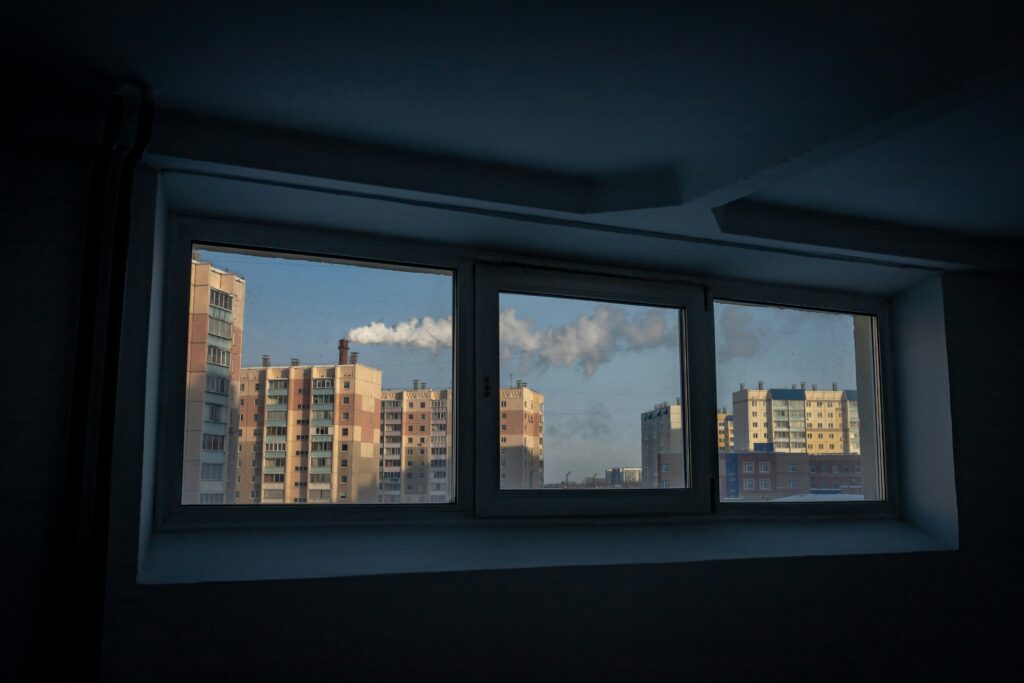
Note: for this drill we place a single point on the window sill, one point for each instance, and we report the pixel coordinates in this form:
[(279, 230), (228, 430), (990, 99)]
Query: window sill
[(208, 556)]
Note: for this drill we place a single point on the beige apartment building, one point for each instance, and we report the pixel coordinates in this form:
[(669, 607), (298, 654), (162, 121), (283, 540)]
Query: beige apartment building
[(521, 437), (215, 327), (662, 453), (309, 433), (415, 445), (796, 420), (726, 435)]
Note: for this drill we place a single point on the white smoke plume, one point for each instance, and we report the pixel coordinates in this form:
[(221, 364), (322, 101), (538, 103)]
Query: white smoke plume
[(422, 333), (586, 343)]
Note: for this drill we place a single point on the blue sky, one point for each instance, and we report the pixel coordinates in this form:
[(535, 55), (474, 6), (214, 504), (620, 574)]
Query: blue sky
[(300, 309), (595, 386)]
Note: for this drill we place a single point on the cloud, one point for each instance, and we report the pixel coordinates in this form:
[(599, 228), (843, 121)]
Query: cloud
[(593, 423)]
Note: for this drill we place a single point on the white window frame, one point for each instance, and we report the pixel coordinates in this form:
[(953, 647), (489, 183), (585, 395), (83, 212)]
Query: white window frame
[(696, 382)]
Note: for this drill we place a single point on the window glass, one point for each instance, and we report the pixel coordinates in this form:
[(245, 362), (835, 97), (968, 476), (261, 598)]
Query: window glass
[(279, 342), (591, 395), (793, 366)]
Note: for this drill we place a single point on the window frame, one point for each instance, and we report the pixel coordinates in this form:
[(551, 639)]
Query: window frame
[(828, 301), (174, 254), (696, 389)]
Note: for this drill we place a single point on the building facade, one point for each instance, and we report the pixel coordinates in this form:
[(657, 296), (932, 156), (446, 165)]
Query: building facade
[(662, 460), (796, 420), (215, 328), (416, 434), (726, 433), (309, 433), (765, 475), (521, 437)]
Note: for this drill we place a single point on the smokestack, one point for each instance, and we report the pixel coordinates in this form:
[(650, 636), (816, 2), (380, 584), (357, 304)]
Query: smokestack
[(415, 384), (266, 361), (760, 385), (343, 352), (803, 385), (835, 386), (355, 357), (295, 361)]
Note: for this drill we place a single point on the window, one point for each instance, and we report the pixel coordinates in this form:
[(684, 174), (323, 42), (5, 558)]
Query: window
[(248, 293), (569, 345), (812, 359)]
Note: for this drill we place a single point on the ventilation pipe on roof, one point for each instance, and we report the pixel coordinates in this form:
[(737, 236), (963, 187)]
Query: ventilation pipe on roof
[(266, 361), (355, 357)]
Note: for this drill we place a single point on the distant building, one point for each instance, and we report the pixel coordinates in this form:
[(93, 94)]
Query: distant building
[(765, 475), (796, 420), (215, 327), (416, 445), (726, 435), (661, 455), (310, 433), (521, 437), (624, 477)]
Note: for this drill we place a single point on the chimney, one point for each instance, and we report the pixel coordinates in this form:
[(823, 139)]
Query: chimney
[(343, 352), (415, 385), (266, 361), (803, 385), (679, 400), (835, 386), (295, 361), (814, 387), (743, 387), (355, 357), (524, 385), (760, 385), (519, 384)]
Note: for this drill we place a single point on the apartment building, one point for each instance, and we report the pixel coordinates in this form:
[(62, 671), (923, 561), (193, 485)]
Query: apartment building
[(726, 433), (661, 460), (215, 327), (796, 420), (309, 433), (521, 437), (415, 445)]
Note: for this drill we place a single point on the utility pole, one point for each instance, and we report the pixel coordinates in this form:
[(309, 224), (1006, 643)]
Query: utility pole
[(567, 478)]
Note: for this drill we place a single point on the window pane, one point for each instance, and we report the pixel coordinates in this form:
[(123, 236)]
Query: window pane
[(797, 401), (314, 381), (593, 399)]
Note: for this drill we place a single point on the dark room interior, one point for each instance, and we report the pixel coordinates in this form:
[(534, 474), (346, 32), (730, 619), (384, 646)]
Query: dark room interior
[(863, 159)]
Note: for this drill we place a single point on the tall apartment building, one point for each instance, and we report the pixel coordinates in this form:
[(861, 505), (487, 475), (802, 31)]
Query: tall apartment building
[(215, 326), (796, 420), (309, 433), (726, 434), (661, 456), (416, 445), (521, 436)]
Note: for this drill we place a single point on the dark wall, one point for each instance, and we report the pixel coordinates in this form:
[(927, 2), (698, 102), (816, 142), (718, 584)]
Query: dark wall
[(944, 615), (47, 164)]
